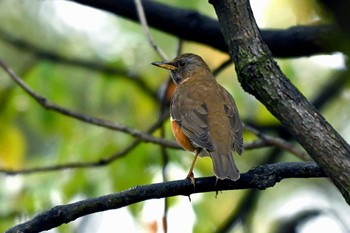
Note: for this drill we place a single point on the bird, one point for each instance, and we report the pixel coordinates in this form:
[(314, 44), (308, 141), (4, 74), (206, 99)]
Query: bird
[(204, 117)]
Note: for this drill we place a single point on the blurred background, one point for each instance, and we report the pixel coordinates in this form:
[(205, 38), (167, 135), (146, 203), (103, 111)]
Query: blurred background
[(98, 64)]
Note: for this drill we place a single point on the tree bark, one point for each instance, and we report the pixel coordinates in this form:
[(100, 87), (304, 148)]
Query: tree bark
[(260, 75)]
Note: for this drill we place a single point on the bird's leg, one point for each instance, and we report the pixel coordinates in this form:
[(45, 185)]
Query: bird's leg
[(217, 191), (190, 172)]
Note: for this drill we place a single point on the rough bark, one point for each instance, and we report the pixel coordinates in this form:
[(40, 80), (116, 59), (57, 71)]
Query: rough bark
[(260, 75)]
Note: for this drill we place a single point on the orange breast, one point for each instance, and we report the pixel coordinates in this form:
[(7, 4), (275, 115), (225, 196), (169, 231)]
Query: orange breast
[(181, 138)]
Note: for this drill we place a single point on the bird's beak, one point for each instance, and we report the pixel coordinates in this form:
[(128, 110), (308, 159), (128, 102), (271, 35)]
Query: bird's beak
[(165, 65)]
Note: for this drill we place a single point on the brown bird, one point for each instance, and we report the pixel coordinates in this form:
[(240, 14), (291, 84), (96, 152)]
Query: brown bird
[(204, 116)]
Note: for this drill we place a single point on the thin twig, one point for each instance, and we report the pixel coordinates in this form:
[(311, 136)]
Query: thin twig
[(165, 160), (76, 165), (260, 143), (274, 141), (179, 46), (143, 21), (222, 66), (85, 118)]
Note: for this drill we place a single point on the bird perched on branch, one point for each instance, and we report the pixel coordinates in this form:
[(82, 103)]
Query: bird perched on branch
[(204, 116)]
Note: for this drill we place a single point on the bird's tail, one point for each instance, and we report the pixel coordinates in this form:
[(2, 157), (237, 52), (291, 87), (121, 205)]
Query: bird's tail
[(224, 165)]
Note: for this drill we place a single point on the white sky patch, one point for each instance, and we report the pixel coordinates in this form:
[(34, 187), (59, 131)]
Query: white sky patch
[(258, 7), (115, 220), (334, 61), (12, 184), (99, 28), (80, 17), (322, 224), (181, 216)]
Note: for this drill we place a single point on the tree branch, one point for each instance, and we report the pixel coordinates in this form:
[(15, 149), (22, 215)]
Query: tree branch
[(266, 141), (82, 117), (190, 25), (143, 22), (261, 143), (262, 177), (274, 141), (260, 75), (100, 162)]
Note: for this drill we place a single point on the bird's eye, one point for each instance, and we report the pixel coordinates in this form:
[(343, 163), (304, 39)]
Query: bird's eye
[(181, 63)]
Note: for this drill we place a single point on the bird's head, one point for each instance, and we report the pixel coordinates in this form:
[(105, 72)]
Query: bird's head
[(185, 66)]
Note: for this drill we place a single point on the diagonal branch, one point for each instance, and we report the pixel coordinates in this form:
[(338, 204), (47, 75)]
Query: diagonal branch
[(262, 177), (277, 142), (260, 75), (99, 163), (143, 21), (82, 117)]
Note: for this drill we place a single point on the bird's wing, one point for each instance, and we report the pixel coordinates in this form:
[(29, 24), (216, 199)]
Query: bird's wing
[(235, 123), (194, 124)]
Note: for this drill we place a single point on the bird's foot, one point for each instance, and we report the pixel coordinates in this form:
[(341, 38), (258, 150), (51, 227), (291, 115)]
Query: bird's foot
[(217, 191), (190, 176)]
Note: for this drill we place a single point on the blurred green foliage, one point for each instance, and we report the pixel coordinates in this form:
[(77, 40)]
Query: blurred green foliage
[(31, 136)]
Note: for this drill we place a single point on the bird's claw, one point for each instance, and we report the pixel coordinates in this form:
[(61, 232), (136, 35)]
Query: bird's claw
[(190, 176)]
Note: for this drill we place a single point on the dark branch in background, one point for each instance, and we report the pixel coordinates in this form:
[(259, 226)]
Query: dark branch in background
[(292, 224), (41, 53), (193, 26), (331, 89), (260, 76), (340, 12), (277, 142), (261, 177), (222, 67)]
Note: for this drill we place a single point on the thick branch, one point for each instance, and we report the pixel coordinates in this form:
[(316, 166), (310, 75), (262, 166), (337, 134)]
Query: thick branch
[(258, 178), (192, 26), (260, 75)]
